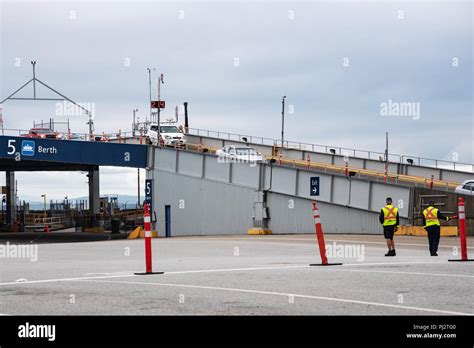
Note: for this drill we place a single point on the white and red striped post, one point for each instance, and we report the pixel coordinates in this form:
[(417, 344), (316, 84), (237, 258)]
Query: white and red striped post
[(309, 161), (148, 253), (346, 169), (320, 238), (462, 230), (431, 181)]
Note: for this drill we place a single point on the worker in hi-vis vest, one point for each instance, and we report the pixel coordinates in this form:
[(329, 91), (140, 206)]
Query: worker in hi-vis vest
[(431, 217), (390, 220)]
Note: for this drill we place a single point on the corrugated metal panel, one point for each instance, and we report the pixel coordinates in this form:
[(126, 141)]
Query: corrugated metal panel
[(245, 174), (206, 206), (202, 207), (216, 171), (294, 215), (165, 159)]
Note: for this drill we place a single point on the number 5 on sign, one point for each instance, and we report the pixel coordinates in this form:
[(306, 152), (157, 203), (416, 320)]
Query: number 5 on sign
[(149, 194), (11, 147)]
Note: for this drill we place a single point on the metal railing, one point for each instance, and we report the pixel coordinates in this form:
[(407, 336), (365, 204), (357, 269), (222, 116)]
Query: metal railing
[(417, 181), (53, 223), (335, 150), (74, 136)]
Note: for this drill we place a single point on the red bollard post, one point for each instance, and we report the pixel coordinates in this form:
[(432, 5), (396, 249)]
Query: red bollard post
[(431, 182), (148, 253), (141, 137), (346, 169), (462, 230), (320, 238), (309, 161)]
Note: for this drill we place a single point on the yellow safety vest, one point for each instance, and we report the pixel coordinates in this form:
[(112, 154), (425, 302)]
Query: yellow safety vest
[(431, 216), (389, 215)]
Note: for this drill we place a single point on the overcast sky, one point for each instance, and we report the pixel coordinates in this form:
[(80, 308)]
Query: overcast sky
[(337, 63)]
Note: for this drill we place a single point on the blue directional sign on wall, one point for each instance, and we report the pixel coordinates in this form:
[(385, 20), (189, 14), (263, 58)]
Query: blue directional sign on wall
[(314, 189)]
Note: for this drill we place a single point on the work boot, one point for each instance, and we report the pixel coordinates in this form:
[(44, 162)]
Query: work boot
[(434, 254), (394, 253), (390, 253)]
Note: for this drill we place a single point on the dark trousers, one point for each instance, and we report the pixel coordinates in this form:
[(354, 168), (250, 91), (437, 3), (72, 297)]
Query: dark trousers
[(434, 233)]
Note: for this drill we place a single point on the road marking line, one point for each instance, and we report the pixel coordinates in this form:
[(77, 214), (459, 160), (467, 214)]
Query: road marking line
[(409, 273), (398, 243), (204, 271), (134, 275), (328, 239), (396, 263), (107, 273), (64, 279), (334, 299)]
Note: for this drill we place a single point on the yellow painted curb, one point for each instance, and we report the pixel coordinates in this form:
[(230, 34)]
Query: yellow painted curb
[(446, 231), (258, 231)]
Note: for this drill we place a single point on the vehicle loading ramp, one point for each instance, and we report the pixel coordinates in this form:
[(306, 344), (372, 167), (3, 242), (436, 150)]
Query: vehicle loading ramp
[(209, 197)]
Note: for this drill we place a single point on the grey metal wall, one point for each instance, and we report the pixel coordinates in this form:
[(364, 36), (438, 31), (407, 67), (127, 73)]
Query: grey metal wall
[(201, 207), (371, 164), (294, 215), (207, 197)]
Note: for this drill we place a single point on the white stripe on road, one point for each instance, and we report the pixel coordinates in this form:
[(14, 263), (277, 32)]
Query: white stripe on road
[(131, 274), (408, 273), (134, 275), (270, 239), (323, 298)]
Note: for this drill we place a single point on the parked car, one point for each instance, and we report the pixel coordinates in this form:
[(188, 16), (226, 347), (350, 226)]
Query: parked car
[(169, 135), (44, 133), (466, 188), (240, 153), (74, 136)]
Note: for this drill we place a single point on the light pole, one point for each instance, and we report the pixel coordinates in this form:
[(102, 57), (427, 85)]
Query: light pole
[(134, 122), (44, 206), (282, 123), (149, 86), (386, 157), (160, 81), (138, 186)]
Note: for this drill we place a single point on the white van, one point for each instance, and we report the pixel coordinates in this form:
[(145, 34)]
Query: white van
[(169, 134)]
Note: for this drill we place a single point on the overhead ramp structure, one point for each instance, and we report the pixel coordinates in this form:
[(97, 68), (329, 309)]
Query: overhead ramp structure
[(195, 193), (207, 197)]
